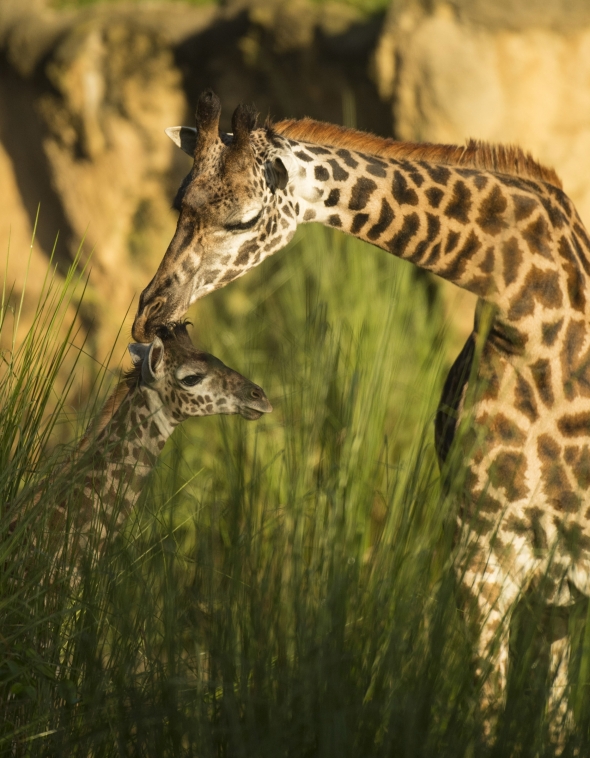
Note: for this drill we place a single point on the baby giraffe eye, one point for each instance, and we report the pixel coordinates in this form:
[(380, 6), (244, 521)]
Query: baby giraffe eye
[(191, 380)]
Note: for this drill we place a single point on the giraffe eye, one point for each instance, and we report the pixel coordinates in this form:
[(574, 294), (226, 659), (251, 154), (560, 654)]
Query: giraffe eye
[(244, 224), (191, 380)]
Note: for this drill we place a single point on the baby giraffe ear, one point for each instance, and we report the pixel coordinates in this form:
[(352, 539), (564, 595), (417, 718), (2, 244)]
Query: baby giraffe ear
[(155, 362), (138, 352), (184, 137), (277, 175), (149, 357)]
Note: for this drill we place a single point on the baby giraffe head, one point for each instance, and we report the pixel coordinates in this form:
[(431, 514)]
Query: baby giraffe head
[(192, 383)]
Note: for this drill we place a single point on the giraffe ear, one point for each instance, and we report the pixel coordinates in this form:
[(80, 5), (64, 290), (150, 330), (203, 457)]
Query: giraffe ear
[(184, 137), (154, 366), (277, 175), (138, 351)]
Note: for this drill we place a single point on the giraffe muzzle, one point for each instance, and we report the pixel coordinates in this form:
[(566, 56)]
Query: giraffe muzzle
[(254, 403), (148, 319)]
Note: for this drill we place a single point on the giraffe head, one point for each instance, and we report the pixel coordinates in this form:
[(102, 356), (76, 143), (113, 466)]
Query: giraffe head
[(236, 207), (192, 383)]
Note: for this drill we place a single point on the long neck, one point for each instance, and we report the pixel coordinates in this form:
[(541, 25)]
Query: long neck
[(505, 238), (116, 462)]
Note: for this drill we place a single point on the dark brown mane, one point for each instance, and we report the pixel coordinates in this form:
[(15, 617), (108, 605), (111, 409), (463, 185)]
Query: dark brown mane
[(175, 330), (129, 381), (502, 159)]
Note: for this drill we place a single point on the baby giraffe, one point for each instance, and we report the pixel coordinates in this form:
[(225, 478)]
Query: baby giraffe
[(170, 381)]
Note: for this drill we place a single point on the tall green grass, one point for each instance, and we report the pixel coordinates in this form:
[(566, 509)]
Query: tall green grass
[(287, 587)]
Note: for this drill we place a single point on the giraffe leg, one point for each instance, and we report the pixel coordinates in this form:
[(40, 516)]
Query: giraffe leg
[(490, 597), (491, 668), (559, 711), (488, 615)]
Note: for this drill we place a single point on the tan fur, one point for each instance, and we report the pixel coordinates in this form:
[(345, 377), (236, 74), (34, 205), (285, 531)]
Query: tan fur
[(503, 159)]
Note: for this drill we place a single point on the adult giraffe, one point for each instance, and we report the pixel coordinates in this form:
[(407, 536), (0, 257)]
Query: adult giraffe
[(487, 218)]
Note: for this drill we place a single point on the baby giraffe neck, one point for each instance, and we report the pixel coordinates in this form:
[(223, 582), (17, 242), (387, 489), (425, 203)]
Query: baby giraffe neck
[(105, 475), (123, 455)]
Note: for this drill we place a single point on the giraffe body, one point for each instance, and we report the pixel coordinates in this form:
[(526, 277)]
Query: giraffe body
[(170, 382), (490, 220)]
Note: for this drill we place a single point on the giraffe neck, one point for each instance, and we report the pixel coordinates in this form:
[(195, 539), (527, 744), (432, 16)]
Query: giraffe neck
[(516, 242), (121, 457)]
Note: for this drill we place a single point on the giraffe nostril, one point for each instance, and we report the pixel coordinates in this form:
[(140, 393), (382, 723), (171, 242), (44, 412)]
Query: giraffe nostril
[(256, 394), (154, 308)]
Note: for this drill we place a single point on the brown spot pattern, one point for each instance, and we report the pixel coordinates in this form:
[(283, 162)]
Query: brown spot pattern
[(434, 195), (399, 242), (500, 430), (332, 199), (524, 206), (438, 174), (339, 174), (487, 264), (538, 237), (550, 332), (386, 216), (575, 279), (432, 232), (491, 212), (508, 472), (582, 246), (541, 372), (575, 424), (321, 173), (358, 221), (361, 192), (524, 399), (456, 269), (511, 259), (460, 203), (452, 241), (575, 364), (578, 459), (539, 286), (402, 194), (572, 538)]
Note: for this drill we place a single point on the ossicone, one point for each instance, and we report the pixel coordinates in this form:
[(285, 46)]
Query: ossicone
[(208, 110), (243, 122), (207, 119)]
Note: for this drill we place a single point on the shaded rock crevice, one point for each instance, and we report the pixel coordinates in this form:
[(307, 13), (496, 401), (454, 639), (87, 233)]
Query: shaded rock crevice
[(22, 133)]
